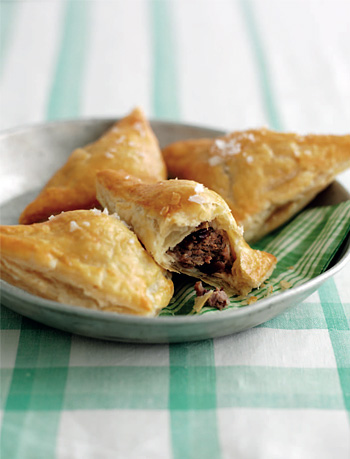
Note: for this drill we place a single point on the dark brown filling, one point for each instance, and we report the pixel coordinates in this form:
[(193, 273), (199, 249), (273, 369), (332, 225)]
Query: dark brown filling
[(206, 249), (218, 298)]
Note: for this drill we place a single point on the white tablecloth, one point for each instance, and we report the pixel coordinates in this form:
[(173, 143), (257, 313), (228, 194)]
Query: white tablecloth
[(277, 391)]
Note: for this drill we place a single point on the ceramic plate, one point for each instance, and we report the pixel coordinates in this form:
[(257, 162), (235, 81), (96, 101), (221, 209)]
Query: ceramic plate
[(30, 155)]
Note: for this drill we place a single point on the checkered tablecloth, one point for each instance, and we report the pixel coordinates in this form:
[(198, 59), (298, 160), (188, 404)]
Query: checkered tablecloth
[(281, 390)]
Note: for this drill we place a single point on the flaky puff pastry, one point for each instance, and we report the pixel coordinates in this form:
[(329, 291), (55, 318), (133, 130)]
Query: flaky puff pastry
[(130, 144), (164, 214), (84, 258), (265, 177)]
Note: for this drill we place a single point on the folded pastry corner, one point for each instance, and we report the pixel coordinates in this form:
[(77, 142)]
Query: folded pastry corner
[(85, 258), (129, 144), (188, 229), (266, 177)]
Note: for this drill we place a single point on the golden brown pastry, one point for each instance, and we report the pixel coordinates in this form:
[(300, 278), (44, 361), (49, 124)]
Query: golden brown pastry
[(130, 144), (265, 177), (84, 258), (187, 229)]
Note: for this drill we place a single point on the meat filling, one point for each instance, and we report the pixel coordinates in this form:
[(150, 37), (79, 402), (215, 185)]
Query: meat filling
[(206, 249), (218, 298)]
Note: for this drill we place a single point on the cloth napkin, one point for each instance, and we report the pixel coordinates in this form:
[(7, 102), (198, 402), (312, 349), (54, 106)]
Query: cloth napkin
[(304, 248)]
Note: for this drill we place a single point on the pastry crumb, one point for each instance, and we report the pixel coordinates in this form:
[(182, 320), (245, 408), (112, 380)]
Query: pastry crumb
[(285, 284), (200, 301), (251, 300), (290, 267)]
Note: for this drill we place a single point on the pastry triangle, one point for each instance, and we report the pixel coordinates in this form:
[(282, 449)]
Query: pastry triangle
[(130, 144), (265, 177), (187, 228), (84, 258)]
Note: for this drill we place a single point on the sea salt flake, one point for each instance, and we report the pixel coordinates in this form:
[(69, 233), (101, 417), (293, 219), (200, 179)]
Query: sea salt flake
[(105, 211), (95, 211), (125, 224), (214, 160), (250, 137), (86, 223), (233, 148), (220, 144), (226, 148), (198, 199), (51, 217), (250, 159), (139, 127), (73, 226), (199, 188), (109, 155), (120, 139), (53, 263), (131, 241)]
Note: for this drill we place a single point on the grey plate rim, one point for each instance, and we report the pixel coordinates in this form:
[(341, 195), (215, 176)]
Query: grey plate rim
[(96, 119), (169, 321)]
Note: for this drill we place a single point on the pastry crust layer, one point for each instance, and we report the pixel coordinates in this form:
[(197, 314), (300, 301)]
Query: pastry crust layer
[(130, 144), (85, 258), (265, 177), (164, 213)]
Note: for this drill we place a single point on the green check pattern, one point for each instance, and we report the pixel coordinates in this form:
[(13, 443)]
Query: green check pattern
[(52, 372), (280, 390)]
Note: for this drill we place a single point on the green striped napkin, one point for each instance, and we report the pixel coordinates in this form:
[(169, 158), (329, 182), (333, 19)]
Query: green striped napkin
[(304, 249)]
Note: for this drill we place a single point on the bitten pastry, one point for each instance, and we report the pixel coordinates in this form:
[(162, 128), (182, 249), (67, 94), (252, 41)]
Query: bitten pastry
[(187, 229), (85, 258), (265, 177), (130, 144)]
